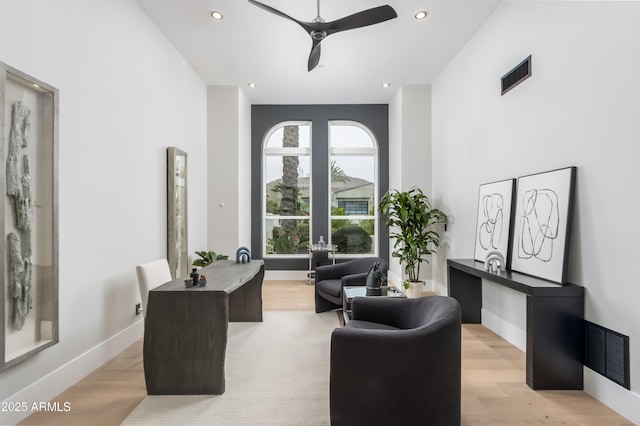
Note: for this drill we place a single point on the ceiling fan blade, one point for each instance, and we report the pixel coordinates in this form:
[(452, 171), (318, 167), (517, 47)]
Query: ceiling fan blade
[(319, 30), (282, 14), (314, 56), (361, 19)]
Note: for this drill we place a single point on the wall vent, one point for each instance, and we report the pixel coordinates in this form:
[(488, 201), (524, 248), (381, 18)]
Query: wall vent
[(607, 353), (517, 75)]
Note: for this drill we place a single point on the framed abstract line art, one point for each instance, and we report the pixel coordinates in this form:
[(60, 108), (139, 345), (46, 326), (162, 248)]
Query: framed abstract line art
[(177, 241), (29, 216), (493, 224), (542, 231)]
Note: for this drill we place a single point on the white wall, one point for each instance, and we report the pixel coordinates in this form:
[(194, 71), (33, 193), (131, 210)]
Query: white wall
[(244, 172), (579, 108), (410, 153), (229, 171), (125, 96), (395, 171)]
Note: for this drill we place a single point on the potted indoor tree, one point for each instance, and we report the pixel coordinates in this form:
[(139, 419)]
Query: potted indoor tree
[(410, 219)]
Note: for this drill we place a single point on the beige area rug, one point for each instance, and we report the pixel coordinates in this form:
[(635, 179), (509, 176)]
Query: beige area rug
[(277, 373)]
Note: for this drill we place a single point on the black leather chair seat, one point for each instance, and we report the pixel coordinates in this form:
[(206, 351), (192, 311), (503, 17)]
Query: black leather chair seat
[(368, 325)]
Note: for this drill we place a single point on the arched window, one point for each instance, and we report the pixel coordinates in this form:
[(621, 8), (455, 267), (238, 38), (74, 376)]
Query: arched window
[(353, 179), (287, 189)]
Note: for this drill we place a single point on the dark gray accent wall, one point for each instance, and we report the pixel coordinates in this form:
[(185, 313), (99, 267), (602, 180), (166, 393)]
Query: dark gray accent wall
[(264, 117)]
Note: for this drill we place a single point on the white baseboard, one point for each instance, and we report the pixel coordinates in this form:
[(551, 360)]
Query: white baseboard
[(438, 289), (302, 276), (619, 399), (285, 275), (54, 383), (509, 332)]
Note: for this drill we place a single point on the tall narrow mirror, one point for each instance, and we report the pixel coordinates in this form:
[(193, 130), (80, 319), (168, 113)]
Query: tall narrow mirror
[(178, 254)]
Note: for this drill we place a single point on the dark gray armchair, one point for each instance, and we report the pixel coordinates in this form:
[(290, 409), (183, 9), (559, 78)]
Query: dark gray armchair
[(331, 278), (398, 362)]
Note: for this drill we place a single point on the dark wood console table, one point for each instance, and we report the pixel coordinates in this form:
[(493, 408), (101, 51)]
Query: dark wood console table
[(555, 320), (185, 329)]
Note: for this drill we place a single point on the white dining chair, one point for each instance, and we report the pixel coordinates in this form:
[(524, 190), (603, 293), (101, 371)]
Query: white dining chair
[(151, 275)]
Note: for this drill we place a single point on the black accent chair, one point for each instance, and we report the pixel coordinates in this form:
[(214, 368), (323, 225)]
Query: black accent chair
[(331, 278), (398, 362)]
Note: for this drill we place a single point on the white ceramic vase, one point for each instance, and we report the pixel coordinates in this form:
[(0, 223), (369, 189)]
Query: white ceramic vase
[(415, 289)]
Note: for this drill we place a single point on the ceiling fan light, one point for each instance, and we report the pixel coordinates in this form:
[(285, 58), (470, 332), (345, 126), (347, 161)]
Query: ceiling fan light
[(217, 15), (421, 15)]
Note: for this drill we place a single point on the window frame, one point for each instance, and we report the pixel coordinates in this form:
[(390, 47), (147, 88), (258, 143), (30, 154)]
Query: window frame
[(284, 151), (356, 152), (264, 117)]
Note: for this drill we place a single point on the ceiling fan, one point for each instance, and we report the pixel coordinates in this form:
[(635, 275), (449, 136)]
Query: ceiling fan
[(318, 29)]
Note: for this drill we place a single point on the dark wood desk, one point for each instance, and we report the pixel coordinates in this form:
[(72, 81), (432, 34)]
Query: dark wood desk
[(555, 320), (185, 329)]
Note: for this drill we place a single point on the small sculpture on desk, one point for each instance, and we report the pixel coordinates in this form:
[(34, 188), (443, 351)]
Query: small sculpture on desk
[(195, 276), (375, 280), (494, 262), (243, 255), (202, 281)]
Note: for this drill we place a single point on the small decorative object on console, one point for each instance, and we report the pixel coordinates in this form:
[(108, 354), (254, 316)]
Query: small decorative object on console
[(188, 282), (494, 262), (243, 255)]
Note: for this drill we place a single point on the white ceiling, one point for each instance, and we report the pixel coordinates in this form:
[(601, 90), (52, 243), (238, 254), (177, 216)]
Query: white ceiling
[(253, 45)]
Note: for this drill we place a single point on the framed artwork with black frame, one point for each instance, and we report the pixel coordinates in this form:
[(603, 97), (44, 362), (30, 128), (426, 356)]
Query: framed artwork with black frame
[(493, 226), (542, 228)]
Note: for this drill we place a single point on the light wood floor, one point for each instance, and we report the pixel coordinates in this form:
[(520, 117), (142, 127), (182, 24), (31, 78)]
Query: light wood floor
[(493, 382)]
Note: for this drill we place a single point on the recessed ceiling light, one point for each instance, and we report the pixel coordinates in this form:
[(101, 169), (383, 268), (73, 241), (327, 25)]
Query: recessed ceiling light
[(216, 15), (252, 85), (385, 85), (421, 15)]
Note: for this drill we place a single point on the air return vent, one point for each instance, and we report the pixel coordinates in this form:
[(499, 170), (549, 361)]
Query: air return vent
[(517, 75), (607, 353)]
